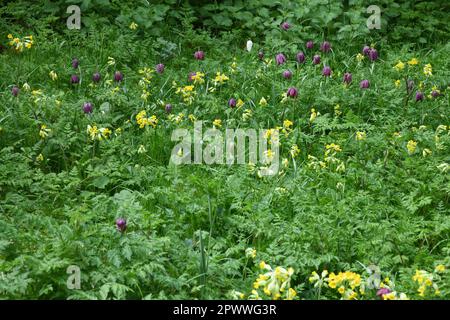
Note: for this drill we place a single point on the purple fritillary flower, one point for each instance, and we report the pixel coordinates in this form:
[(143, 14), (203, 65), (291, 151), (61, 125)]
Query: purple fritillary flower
[(325, 46), (366, 50), (232, 102), (300, 57), (74, 79), (347, 78), (316, 59), (280, 58), (168, 108), (285, 26), (96, 77), (118, 76), (15, 91), (75, 63), (88, 107), (435, 94), (159, 68), (199, 55), (409, 85), (419, 96), (287, 74), (364, 84), (121, 224), (310, 44), (191, 74), (326, 71), (382, 291), (373, 54), (261, 55), (292, 92)]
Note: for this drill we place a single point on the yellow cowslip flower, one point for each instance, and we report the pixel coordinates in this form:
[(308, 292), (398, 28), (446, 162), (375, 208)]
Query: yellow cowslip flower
[(337, 110), (399, 66), (142, 149), (389, 296), (105, 133), (239, 103), (287, 124), (291, 294), (247, 114), (26, 87), (133, 26), (44, 131), (198, 77), (313, 115), (426, 152), (440, 268), (92, 131), (40, 157), (217, 123), (341, 289), (360, 135), (36, 92), (332, 146), (295, 151), (53, 75), (285, 162), (269, 154), (359, 57), (428, 70), (250, 253), (413, 62), (192, 118), (398, 83), (220, 78), (263, 102), (411, 146)]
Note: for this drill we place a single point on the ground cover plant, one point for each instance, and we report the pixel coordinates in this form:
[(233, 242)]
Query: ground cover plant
[(358, 209)]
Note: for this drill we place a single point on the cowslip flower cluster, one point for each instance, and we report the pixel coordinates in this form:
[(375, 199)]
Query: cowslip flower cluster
[(19, 44), (99, 134), (142, 120), (220, 79), (427, 281), (275, 283), (187, 92)]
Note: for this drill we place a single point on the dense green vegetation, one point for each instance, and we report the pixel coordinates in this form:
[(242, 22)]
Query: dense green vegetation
[(363, 186)]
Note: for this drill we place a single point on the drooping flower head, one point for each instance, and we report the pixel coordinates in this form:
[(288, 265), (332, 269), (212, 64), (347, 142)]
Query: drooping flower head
[(191, 76), (232, 102), (347, 78), (260, 55), (168, 108), (419, 96), (75, 63), (15, 91), (74, 79), (88, 107), (364, 84), (118, 76), (280, 58), (121, 224), (159, 68), (285, 25), (326, 71), (292, 92), (310, 44), (96, 77), (287, 74), (435, 93), (366, 50), (373, 54), (316, 59), (300, 57), (325, 46), (199, 55), (382, 291), (410, 85)]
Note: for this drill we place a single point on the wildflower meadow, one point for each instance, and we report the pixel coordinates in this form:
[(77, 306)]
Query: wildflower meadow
[(260, 150)]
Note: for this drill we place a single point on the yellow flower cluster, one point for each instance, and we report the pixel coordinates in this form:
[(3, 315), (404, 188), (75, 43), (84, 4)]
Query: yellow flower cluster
[(360, 135), (411, 146), (144, 82), (428, 70), (98, 133), (20, 44), (425, 280), (198, 77), (220, 78), (143, 121), (44, 131), (276, 283), (187, 92)]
